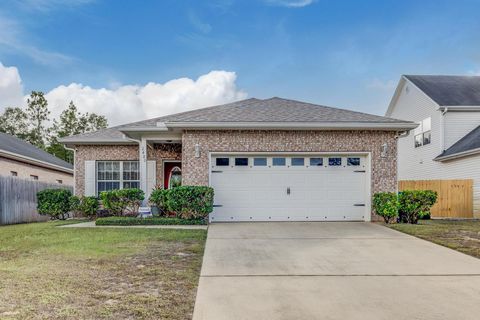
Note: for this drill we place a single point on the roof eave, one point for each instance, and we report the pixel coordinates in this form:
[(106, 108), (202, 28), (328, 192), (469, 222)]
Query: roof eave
[(40, 163), (458, 155), (459, 108), (295, 125)]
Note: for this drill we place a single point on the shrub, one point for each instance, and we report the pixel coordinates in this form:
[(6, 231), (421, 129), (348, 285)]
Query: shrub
[(131, 221), (190, 202), (415, 204), (385, 204), (54, 202), (158, 198), (85, 206), (122, 201)]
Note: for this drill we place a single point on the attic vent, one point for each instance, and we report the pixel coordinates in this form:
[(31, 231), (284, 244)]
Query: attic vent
[(407, 89)]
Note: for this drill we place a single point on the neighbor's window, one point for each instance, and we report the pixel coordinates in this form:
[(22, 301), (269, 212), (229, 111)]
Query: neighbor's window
[(353, 161), (278, 161), (241, 161), (33, 177), (260, 162), (59, 181), (334, 161), (298, 161), (316, 162), (113, 175), (422, 133), (14, 173), (222, 161)]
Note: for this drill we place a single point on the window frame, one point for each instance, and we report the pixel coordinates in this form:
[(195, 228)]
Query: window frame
[(420, 133), (121, 180)]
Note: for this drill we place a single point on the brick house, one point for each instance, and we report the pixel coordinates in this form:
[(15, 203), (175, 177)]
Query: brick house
[(23, 160), (268, 160)]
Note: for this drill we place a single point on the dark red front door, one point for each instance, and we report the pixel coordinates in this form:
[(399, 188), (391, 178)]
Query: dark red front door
[(168, 169)]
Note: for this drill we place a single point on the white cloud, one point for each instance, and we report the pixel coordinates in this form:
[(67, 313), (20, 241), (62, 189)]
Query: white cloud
[(130, 103), (11, 89), (290, 3)]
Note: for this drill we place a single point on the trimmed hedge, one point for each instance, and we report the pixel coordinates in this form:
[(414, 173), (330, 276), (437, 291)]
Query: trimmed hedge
[(85, 206), (187, 202), (385, 204), (122, 201), (131, 221), (54, 202)]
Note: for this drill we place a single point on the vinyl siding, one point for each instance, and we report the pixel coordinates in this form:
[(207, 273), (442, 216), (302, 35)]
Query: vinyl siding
[(458, 124), (417, 163)]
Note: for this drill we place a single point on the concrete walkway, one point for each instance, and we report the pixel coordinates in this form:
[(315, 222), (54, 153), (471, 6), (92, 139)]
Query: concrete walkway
[(91, 224), (332, 271)]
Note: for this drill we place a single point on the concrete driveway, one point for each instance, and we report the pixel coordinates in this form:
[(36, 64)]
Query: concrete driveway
[(330, 270)]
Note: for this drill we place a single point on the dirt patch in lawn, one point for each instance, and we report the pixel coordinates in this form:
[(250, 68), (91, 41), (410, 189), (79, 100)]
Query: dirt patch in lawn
[(463, 236), (154, 276)]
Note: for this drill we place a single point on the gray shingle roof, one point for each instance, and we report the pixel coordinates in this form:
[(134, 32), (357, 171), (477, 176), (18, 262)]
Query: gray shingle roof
[(468, 143), (22, 148), (252, 111), (449, 90)]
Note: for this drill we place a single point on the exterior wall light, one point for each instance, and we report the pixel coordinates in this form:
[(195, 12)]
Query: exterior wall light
[(197, 151), (384, 150)]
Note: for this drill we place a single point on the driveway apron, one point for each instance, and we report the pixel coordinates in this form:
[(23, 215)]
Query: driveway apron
[(330, 270)]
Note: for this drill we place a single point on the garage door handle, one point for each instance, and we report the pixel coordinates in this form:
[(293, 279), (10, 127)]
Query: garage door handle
[(359, 171), (217, 205), (217, 171), (359, 205), (288, 190)]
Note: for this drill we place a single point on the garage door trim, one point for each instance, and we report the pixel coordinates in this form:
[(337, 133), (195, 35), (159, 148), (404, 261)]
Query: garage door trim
[(368, 196)]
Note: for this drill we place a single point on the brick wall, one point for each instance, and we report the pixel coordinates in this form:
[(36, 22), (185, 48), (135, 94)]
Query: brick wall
[(24, 170), (384, 170), (159, 152)]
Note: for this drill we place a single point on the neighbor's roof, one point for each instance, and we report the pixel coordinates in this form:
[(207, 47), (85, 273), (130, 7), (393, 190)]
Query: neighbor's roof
[(449, 90), (468, 145), (250, 113), (13, 147)]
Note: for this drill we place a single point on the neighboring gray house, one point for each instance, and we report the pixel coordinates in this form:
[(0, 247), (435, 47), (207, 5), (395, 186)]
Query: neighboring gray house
[(23, 160), (446, 144), (268, 160)]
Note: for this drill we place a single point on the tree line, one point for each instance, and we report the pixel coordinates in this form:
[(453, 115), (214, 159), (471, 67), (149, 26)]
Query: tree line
[(33, 124)]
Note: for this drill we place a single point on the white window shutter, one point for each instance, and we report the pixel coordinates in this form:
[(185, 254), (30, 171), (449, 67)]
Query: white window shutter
[(151, 177), (90, 178)]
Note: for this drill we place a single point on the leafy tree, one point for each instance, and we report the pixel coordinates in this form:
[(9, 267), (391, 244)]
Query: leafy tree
[(14, 122), (72, 122), (37, 115)]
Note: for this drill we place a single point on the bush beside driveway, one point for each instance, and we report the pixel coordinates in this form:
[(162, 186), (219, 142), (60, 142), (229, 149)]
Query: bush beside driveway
[(88, 273)]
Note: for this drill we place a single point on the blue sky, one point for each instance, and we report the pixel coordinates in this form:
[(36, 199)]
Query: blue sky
[(348, 54)]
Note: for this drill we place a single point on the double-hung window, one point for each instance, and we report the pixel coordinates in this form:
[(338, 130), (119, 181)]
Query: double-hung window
[(422, 133), (113, 175)]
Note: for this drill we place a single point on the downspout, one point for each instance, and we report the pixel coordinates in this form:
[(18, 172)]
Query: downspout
[(442, 128)]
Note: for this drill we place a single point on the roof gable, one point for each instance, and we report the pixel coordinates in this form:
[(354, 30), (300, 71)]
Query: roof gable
[(449, 90)]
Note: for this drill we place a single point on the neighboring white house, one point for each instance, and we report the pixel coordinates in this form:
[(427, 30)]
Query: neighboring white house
[(446, 144)]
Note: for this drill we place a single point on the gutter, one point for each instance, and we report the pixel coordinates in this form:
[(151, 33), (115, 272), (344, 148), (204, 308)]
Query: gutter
[(294, 125), (458, 155), (30, 160)]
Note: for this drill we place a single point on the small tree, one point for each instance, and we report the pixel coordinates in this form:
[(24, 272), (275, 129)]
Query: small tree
[(54, 202), (385, 204), (415, 204)]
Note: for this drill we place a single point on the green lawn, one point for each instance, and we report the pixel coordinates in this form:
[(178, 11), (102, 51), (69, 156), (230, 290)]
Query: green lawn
[(98, 273), (463, 236)]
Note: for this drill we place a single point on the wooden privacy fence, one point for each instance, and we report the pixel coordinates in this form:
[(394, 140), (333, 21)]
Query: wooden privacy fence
[(18, 199), (455, 197)]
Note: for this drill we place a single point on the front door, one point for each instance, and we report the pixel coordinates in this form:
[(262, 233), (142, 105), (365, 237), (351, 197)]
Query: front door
[(172, 174)]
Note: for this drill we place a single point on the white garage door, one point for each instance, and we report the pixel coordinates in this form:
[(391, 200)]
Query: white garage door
[(289, 187)]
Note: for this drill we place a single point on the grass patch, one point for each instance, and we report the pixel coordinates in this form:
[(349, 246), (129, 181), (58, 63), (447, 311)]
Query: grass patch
[(86, 273), (132, 221), (463, 236)]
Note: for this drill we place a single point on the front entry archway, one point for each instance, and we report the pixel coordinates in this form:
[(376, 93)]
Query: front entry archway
[(172, 174)]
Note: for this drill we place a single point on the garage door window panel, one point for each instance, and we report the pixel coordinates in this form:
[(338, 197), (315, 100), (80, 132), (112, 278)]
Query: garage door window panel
[(316, 162), (260, 162), (278, 162), (222, 162), (241, 162), (334, 162), (353, 162), (298, 162)]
